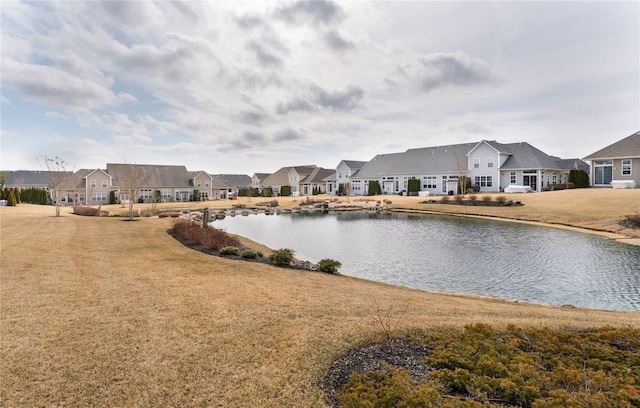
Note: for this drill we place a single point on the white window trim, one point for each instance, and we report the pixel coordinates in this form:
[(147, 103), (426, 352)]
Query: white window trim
[(629, 166)]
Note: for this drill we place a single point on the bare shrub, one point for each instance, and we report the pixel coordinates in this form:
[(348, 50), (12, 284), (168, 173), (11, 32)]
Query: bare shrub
[(444, 199), (86, 211), (459, 199), (501, 199), (486, 199), (209, 237), (633, 220), (474, 199)]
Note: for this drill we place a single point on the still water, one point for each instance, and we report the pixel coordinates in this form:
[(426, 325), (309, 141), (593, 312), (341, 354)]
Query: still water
[(454, 254)]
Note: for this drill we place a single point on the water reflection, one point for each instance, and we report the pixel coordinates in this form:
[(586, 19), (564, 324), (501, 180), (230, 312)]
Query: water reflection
[(456, 254)]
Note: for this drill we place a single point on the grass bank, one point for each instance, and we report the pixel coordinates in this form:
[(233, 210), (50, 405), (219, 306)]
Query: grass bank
[(107, 312)]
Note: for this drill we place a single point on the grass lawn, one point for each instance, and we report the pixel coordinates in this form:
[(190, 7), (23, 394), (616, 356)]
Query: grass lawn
[(107, 312)]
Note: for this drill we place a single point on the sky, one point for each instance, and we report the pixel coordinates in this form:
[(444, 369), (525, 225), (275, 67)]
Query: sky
[(242, 87)]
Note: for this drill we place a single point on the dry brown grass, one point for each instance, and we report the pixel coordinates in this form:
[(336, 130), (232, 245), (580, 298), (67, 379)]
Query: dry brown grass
[(105, 312)]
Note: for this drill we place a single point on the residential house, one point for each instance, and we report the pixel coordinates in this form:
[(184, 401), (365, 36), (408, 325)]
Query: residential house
[(287, 176), (490, 165), (316, 181), (344, 171), (234, 183), (257, 180), (616, 163)]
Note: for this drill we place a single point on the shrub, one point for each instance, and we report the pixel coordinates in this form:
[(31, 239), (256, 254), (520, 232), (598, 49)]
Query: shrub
[(285, 191), (579, 178), (508, 203), (90, 211), (267, 192), (329, 266), (229, 250), (486, 199), (387, 202), (501, 199), (251, 254), (413, 186), (374, 188), (633, 220), (209, 237), (444, 199), (535, 367), (474, 199), (458, 199), (112, 197), (282, 256), (12, 202)]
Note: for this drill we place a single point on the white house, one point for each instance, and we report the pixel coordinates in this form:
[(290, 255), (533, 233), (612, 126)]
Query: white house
[(490, 165)]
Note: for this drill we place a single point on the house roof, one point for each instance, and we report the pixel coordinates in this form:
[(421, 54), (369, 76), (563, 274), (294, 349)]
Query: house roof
[(235, 180), (281, 177), (422, 160), (31, 178), (451, 158), (625, 148), (318, 175), (155, 175), (261, 176), (354, 164)]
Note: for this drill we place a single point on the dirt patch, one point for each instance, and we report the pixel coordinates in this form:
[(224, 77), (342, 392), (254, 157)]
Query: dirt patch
[(406, 354)]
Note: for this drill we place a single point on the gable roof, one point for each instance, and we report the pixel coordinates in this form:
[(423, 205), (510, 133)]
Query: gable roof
[(417, 161), (625, 148), (235, 180), (281, 177), (31, 178), (318, 175), (261, 176), (156, 175)]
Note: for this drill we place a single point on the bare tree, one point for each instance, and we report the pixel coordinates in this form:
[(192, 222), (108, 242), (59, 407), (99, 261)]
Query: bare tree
[(462, 170), (61, 173), (133, 177)]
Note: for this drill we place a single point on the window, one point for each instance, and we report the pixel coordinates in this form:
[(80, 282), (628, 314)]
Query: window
[(98, 197), (484, 181), (93, 183), (626, 167), (490, 162), (430, 182), (104, 183), (206, 183), (166, 193), (476, 163), (199, 184), (146, 193), (512, 178)]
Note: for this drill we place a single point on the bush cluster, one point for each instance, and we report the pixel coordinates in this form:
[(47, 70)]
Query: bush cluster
[(229, 250), (633, 220), (329, 266), (251, 254), (281, 257), (209, 237), (272, 203), (374, 188), (34, 196), (533, 368)]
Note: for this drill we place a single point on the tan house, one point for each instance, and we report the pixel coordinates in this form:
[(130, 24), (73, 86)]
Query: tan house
[(617, 165)]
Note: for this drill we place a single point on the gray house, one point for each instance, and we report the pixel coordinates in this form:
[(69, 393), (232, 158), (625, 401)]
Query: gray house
[(614, 165), (490, 165)]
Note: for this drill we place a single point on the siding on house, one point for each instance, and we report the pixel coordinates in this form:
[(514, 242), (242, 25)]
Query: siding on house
[(617, 161)]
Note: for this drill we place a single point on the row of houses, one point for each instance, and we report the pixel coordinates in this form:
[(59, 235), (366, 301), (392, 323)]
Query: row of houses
[(491, 166)]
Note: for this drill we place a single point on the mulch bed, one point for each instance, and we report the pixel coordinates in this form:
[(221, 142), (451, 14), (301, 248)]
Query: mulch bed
[(406, 354)]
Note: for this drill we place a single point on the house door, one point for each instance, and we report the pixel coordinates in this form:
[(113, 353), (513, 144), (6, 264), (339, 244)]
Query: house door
[(530, 180), (603, 172), (387, 187)]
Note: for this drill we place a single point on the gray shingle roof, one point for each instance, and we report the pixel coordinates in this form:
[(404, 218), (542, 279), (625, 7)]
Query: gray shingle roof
[(155, 175), (446, 159), (235, 180), (30, 178), (281, 177), (626, 148)]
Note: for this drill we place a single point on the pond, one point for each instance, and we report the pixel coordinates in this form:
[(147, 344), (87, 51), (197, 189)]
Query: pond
[(457, 254)]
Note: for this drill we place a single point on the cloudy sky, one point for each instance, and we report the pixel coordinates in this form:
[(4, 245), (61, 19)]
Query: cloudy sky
[(244, 87)]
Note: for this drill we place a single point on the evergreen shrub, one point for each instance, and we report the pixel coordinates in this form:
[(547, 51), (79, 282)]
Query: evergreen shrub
[(329, 266), (251, 254), (374, 188), (579, 178), (281, 257), (285, 191), (12, 202), (229, 250)]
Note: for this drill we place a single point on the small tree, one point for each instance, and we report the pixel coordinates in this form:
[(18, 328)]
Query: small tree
[(413, 186), (285, 191), (579, 178), (61, 174), (374, 188), (133, 177), (12, 202), (112, 197)]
